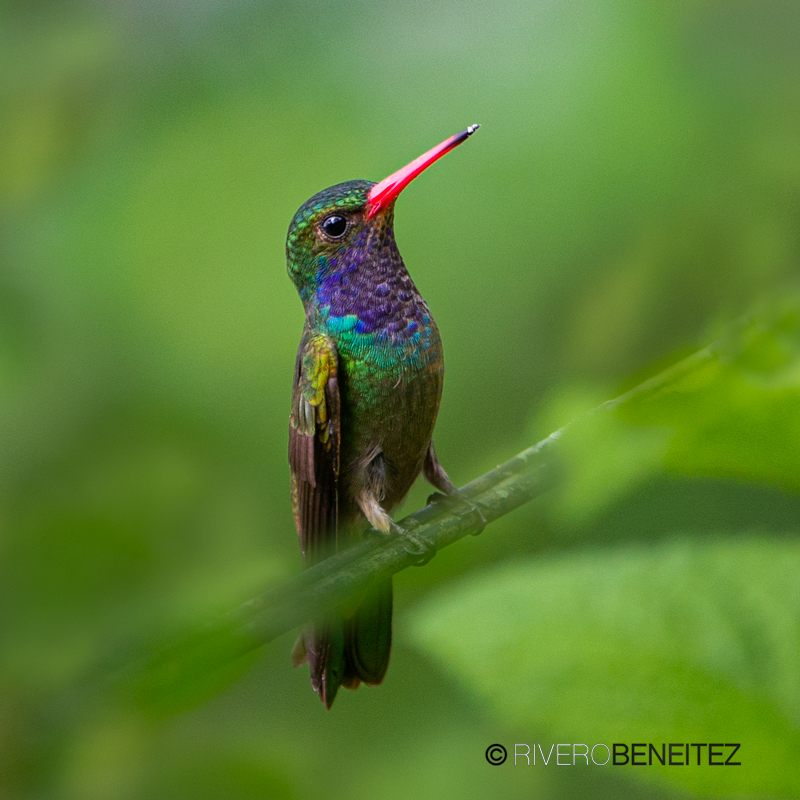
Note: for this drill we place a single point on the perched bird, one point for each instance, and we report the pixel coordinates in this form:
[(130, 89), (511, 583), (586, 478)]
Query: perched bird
[(367, 385)]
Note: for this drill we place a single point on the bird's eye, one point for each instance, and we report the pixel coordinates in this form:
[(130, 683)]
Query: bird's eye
[(334, 226)]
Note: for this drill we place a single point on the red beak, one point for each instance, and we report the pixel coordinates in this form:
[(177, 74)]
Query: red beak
[(383, 194)]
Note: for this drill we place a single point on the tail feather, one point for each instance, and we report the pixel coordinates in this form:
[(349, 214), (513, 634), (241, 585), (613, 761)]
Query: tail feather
[(368, 635), (299, 654), (347, 652), (325, 648)]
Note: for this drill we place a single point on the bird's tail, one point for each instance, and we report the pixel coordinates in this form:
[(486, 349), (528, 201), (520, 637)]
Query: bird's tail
[(322, 645), (347, 652), (368, 637)]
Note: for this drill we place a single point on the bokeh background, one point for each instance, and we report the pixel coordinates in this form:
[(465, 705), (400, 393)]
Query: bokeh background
[(634, 188)]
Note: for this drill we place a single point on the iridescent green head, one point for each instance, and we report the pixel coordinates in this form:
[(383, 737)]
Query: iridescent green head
[(324, 229)]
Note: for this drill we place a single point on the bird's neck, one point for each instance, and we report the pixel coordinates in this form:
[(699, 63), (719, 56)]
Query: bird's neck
[(366, 288)]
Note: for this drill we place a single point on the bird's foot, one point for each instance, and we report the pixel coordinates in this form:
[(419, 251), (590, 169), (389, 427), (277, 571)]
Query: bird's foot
[(414, 544), (458, 499)]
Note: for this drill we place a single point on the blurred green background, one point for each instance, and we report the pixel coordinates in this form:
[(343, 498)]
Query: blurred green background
[(634, 187)]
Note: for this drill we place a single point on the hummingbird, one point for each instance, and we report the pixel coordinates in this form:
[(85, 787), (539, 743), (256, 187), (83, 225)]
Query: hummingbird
[(367, 386)]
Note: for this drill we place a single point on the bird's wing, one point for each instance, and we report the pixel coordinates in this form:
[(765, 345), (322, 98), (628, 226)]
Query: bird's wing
[(314, 438)]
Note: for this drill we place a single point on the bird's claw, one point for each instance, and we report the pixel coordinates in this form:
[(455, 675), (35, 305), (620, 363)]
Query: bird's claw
[(459, 499), (415, 545)]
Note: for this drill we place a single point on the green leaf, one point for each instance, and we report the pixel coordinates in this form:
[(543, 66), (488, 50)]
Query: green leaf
[(743, 422), (684, 642), (729, 412)]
